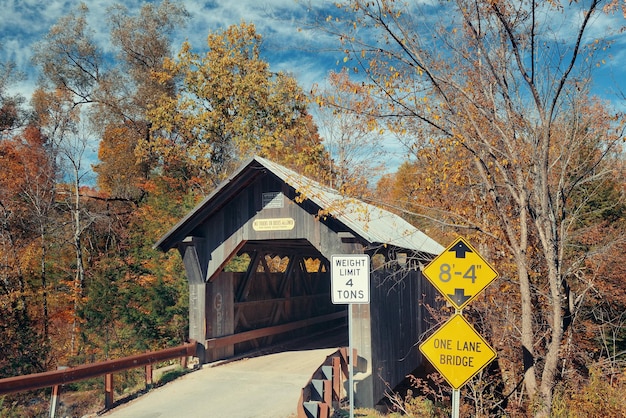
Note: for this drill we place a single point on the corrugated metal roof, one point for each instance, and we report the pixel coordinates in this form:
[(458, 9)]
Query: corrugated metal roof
[(372, 223)]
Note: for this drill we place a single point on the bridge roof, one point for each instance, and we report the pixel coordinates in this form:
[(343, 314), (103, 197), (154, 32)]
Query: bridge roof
[(370, 223)]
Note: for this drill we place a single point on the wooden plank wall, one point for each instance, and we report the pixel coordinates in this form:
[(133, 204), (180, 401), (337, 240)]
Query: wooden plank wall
[(398, 318)]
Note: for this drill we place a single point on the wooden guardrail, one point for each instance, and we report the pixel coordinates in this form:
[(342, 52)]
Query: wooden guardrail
[(228, 340), (55, 378), (324, 390)]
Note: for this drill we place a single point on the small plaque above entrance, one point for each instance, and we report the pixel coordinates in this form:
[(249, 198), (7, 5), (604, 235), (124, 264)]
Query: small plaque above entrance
[(273, 224), (272, 200)]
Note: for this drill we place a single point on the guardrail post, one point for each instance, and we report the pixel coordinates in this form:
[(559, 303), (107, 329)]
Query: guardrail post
[(54, 400), (148, 369), (108, 390), (337, 380)]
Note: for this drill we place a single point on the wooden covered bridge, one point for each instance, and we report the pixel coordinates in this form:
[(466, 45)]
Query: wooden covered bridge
[(256, 253)]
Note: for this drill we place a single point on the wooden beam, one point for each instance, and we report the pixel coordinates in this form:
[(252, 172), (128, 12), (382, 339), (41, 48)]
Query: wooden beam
[(240, 319), (244, 287), (277, 329)]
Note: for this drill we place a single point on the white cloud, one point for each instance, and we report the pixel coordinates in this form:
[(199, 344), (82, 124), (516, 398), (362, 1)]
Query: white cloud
[(278, 21), (288, 47)]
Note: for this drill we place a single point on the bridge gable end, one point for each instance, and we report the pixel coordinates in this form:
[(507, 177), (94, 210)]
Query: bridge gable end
[(265, 208)]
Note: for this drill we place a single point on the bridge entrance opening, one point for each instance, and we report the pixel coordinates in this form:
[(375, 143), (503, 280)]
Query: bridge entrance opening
[(274, 284)]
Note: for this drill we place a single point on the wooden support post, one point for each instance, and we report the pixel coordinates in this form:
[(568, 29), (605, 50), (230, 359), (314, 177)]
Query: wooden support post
[(323, 411), (108, 390), (219, 313), (328, 392), (344, 361), (197, 314), (337, 379), (149, 382)]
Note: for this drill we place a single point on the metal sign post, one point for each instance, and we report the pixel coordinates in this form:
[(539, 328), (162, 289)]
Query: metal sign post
[(456, 403), (350, 284), (456, 393), (350, 364)]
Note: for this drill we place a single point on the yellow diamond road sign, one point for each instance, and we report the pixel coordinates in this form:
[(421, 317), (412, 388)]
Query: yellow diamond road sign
[(460, 273), (457, 351)]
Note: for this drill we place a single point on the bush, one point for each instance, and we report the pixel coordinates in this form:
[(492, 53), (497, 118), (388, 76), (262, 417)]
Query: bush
[(416, 406), (601, 396)]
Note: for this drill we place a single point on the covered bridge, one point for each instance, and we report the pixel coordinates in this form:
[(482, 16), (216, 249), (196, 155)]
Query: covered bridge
[(256, 252)]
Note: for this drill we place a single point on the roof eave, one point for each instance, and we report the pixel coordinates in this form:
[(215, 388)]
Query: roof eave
[(183, 227)]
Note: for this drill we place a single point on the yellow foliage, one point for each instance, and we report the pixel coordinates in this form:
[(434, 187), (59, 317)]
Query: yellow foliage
[(231, 106), (601, 396)]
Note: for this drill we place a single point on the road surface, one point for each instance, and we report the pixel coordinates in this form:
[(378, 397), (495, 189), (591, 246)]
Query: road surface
[(253, 387)]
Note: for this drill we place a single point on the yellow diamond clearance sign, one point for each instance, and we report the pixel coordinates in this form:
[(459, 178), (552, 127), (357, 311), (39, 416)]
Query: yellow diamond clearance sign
[(460, 273), (457, 351)]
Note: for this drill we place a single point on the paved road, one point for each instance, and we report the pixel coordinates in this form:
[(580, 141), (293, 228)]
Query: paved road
[(255, 387)]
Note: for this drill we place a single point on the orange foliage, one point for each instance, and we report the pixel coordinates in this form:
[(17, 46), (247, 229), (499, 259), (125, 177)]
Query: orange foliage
[(119, 172)]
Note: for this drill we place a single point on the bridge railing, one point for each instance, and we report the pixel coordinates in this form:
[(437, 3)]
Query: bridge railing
[(55, 378), (228, 340), (324, 390), (213, 345)]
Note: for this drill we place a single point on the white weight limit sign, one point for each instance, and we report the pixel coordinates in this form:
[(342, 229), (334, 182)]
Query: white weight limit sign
[(350, 279)]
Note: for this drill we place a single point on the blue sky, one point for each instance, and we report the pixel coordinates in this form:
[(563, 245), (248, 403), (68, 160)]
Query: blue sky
[(24, 22), (299, 52), (306, 55)]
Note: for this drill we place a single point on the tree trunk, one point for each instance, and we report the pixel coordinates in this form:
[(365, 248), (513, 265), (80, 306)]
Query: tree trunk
[(79, 276), (44, 286)]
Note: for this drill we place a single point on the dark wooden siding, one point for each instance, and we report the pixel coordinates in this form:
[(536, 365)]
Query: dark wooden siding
[(398, 320), (228, 229)]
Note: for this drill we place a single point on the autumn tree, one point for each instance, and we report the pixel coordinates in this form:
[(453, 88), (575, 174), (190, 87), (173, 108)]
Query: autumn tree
[(229, 106), (27, 192), (350, 134), (143, 42), (26, 221), (70, 60), (38, 190), (137, 297), (496, 87), (114, 93), (88, 94), (443, 200), (73, 69), (59, 119), (119, 175), (12, 114)]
